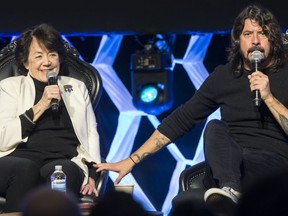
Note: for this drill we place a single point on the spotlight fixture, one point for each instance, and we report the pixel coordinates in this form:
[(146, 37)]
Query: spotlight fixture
[(152, 80)]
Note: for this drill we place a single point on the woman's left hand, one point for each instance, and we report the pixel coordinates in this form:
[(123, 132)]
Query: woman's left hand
[(89, 188)]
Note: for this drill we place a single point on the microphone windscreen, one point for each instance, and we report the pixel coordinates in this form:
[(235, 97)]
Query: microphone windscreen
[(257, 56), (51, 74), (51, 77)]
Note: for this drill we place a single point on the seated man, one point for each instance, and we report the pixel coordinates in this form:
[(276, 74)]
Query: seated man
[(250, 141)]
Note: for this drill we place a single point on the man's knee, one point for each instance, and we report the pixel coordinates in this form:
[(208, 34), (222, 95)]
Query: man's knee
[(214, 126)]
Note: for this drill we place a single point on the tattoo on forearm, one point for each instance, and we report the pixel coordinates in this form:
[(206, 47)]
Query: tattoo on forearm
[(160, 142), (142, 157), (284, 123), (282, 119)]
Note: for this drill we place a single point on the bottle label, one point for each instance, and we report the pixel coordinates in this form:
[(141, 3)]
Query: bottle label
[(59, 185)]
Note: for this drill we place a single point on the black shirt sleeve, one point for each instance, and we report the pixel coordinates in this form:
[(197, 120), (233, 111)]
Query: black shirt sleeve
[(194, 111), (92, 171), (27, 124)]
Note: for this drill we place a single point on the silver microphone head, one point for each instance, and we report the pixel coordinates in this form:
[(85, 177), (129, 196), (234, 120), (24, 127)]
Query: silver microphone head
[(51, 74), (257, 56)]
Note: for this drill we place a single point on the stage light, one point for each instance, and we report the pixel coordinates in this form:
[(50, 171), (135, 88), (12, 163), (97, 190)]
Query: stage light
[(149, 94), (152, 81)]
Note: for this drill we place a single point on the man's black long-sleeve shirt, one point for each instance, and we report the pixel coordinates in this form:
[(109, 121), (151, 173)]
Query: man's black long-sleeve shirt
[(250, 126)]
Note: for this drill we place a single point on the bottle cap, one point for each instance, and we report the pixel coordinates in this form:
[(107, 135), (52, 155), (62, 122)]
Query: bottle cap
[(58, 167)]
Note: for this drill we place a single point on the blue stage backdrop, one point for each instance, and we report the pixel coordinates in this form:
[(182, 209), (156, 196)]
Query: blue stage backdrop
[(123, 128)]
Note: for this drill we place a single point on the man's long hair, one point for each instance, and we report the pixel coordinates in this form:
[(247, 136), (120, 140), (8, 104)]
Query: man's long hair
[(271, 28)]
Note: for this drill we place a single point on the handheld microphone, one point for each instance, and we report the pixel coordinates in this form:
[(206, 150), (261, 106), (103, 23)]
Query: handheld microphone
[(257, 57), (52, 80)]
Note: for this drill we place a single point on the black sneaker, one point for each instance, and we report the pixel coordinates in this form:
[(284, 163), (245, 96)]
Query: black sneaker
[(217, 193), (222, 200)]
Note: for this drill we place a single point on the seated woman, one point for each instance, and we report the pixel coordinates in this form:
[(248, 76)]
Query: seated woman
[(33, 137)]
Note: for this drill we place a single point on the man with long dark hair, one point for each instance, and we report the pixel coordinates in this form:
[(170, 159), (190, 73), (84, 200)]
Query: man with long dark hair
[(250, 140)]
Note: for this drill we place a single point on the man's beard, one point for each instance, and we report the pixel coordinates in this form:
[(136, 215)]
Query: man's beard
[(264, 61), (246, 59)]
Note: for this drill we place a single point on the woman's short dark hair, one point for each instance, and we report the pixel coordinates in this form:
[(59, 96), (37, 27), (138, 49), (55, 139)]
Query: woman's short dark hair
[(45, 34)]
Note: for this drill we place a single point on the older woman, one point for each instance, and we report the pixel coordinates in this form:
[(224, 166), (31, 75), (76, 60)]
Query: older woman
[(33, 137)]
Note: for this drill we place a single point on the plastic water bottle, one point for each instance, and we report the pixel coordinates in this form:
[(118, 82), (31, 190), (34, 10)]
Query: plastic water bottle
[(58, 179)]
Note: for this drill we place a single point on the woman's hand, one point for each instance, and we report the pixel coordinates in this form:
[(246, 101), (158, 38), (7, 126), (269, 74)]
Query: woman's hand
[(89, 188), (50, 92)]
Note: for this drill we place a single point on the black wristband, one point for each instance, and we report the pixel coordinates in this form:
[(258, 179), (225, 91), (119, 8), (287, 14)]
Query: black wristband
[(132, 160)]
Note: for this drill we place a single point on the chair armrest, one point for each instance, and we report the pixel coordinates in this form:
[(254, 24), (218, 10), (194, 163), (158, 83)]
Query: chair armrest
[(100, 184), (192, 177)]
